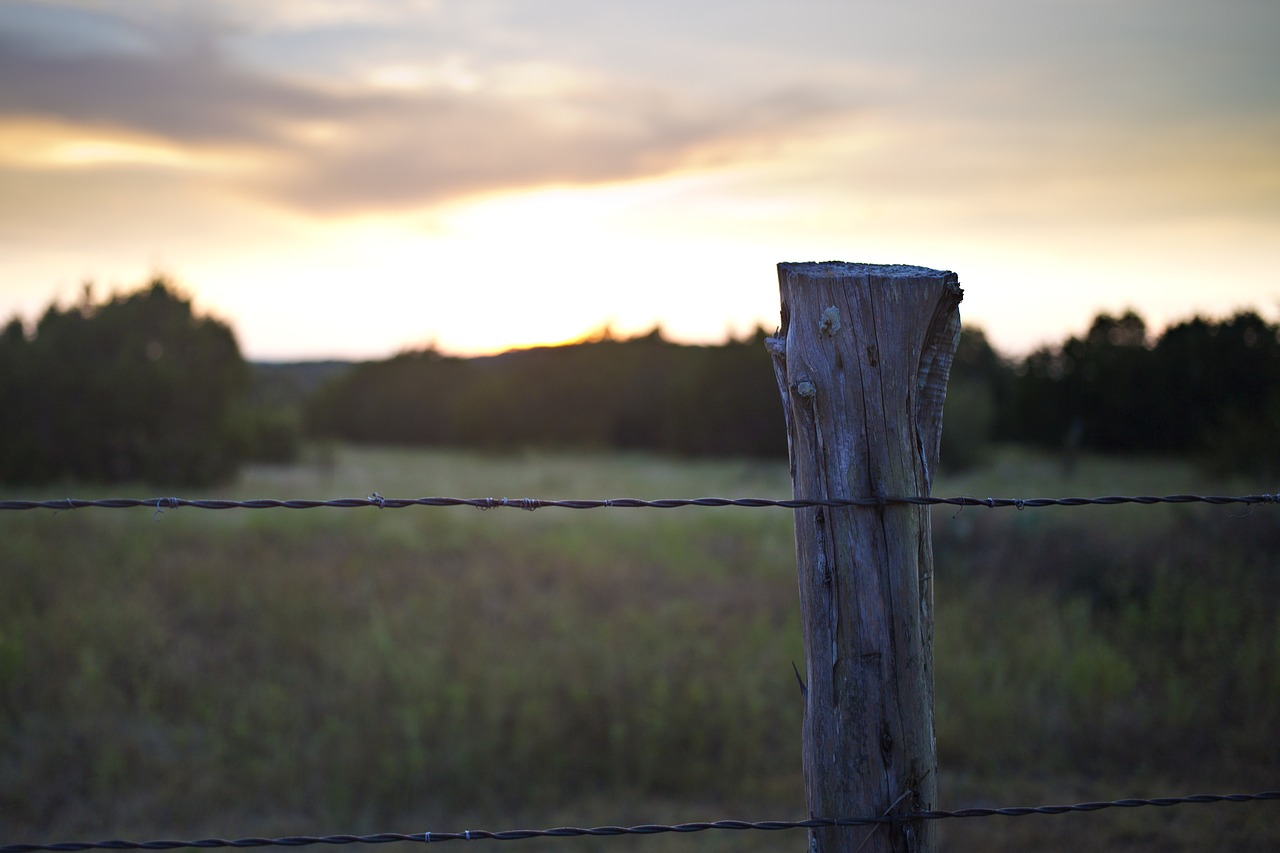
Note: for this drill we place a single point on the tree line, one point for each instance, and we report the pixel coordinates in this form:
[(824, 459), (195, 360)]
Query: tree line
[(1203, 387), (141, 388), (643, 393), (1199, 387)]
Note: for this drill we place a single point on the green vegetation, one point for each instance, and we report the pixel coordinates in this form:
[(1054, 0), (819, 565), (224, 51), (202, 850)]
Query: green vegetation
[(1199, 386), (1208, 388), (274, 672), (190, 673), (140, 387), (137, 387), (645, 393)]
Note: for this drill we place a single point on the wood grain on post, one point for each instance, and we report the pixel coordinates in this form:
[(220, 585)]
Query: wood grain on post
[(862, 361)]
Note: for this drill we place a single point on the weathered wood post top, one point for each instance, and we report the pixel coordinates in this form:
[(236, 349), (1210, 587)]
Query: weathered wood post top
[(862, 359)]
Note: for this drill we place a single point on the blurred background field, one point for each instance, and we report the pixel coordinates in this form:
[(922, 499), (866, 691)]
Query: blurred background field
[(196, 673), (495, 248)]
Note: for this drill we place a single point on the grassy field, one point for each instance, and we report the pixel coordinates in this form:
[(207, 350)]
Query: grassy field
[(199, 673)]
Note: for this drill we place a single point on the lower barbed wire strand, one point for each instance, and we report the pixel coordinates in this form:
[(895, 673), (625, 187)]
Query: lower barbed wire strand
[(643, 829), (376, 500)]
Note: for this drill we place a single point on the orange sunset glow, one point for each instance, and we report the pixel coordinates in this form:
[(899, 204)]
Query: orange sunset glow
[(348, 178)]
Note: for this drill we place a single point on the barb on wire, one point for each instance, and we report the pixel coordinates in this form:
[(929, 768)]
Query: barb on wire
[(643, 829), (376, 500)]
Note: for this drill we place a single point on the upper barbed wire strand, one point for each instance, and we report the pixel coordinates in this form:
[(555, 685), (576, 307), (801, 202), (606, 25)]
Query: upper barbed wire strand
[(376, 500), (643, 829)]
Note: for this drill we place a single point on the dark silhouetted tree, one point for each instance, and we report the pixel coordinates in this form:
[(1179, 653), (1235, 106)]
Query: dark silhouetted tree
[(644, 393), (138, 388), (1202, 386)]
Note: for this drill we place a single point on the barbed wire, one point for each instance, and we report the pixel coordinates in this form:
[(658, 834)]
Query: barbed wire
[(643, 829), (376, 500)]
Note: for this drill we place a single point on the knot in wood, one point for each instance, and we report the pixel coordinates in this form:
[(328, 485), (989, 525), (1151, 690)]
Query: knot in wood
[(829, 322)]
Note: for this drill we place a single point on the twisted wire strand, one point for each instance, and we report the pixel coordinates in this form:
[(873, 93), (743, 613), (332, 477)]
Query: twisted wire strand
[(643, 829), (376, 500)]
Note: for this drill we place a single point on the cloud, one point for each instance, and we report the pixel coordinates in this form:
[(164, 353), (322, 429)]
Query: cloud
[(175, 85), (350, 106), (359, 145), (401, 150)]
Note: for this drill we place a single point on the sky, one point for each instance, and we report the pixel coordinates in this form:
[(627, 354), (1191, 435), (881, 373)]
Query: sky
[(352, 178)]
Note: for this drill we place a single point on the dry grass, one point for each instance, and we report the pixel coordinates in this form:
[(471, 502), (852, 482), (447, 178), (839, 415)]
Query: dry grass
[(278, 672)]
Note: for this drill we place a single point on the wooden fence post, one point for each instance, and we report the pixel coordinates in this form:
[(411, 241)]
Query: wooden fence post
[(862, 361)]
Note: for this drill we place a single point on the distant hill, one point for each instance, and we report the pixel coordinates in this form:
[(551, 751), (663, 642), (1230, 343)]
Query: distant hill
[(291, 383)]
